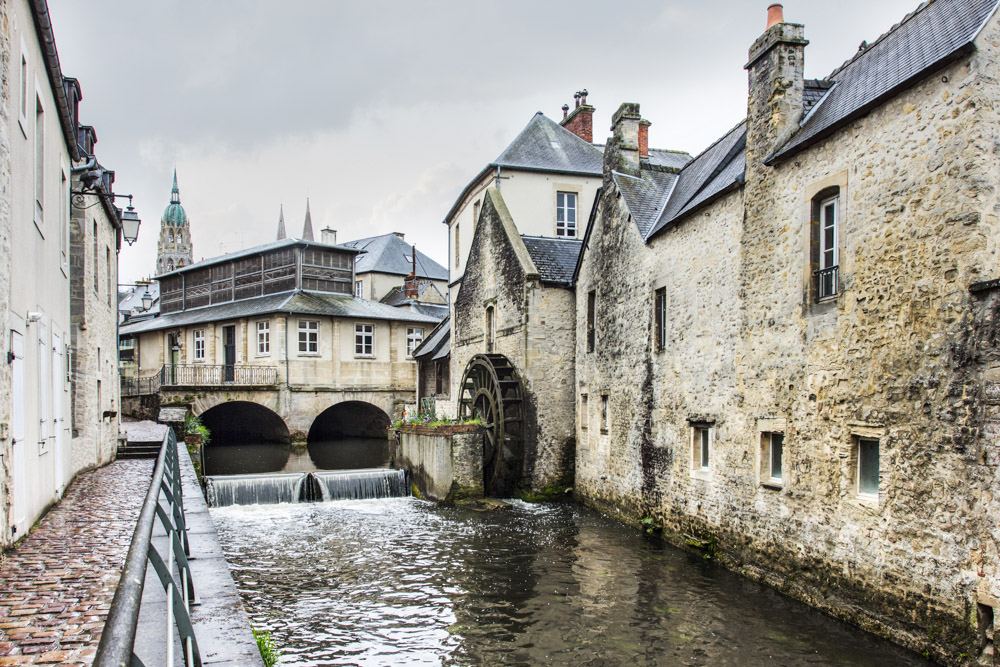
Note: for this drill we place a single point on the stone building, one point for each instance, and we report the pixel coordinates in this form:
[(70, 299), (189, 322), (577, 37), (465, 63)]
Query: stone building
[(786, 349), (53, 422), (174, 249), (270, 340), (386, 261)]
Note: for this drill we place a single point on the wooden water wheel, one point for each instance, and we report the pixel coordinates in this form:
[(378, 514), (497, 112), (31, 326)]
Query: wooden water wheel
[(491, 390)]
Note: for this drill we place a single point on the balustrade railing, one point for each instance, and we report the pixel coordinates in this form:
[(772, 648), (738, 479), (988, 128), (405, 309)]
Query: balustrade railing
[(827, 282), (140, 386), (164, 501), (202, 374)]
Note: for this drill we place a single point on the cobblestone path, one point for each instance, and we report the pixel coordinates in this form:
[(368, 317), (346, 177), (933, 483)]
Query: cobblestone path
[(56, 585)]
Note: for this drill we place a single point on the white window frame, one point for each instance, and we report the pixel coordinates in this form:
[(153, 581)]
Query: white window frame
[(767, 477), (456, 239), (566, 228), (41, 114), (364, 340), (605, 409), (414, 337), (308, 337), (823, 226), (263, 328), (64, 215), (867, 496), (24, 91), (198, 339), (702, 449), (359, 289)]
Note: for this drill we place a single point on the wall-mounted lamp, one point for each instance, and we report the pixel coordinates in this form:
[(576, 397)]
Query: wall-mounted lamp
[(33, 316)]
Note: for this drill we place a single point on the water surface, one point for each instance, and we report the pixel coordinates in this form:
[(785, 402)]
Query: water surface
[(405, 582), (225, 458)]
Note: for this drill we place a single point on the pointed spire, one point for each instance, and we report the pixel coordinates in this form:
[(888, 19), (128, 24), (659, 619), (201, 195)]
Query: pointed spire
[(281, 223), (175, 193), (307, 228)]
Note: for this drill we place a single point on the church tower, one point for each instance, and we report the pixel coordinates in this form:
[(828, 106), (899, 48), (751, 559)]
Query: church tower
[(173, 250)]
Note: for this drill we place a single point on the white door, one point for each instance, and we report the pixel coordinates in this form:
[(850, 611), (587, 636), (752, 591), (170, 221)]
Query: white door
[(17, 424), (58, 373)]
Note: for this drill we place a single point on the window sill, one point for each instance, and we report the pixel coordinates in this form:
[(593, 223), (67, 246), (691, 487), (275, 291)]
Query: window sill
[(868, 500), (704, 474), (194, 361), (262, 355), (829, 299), (308, 354), (773, 484), (368, 357)]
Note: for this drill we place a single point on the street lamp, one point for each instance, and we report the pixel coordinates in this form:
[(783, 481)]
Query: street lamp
[(130, 227), (147, 300)]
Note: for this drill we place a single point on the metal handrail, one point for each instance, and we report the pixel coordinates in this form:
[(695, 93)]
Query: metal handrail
[(117, 647), (827, 282), (140, 385), (207, 374)]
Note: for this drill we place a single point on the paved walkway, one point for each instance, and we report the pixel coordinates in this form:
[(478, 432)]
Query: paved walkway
[(57, 585)]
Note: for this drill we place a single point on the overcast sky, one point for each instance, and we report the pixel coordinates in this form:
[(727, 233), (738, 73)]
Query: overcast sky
[(382, 111)]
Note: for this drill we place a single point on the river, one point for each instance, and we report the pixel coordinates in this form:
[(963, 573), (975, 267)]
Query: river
[(406, 582)]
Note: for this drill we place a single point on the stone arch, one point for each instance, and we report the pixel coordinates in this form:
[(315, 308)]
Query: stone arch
[(350, 434), (350, 419), (244, 421)]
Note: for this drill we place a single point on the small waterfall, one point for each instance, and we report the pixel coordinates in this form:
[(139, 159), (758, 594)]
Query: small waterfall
[(362, 484), (265, 489)]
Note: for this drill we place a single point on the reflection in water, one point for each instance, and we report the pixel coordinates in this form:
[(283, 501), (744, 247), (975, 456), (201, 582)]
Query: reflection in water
[(260, 457), (404, 582)]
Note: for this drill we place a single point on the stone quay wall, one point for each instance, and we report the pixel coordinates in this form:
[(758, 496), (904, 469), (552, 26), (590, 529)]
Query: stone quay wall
[(445, 463)]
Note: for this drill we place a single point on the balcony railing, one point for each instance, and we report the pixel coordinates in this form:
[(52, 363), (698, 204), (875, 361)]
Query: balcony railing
[(827, 282), (140, 386), (207, 375)]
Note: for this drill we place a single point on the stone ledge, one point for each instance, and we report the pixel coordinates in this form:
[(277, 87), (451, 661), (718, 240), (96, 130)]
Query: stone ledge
[(445, 431)]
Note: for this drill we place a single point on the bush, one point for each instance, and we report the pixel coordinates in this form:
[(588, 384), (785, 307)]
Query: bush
[(193, 426), (265, 644)]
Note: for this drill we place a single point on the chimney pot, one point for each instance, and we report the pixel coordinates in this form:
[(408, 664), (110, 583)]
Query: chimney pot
[(576, 98), (775, 15), (565, 110)]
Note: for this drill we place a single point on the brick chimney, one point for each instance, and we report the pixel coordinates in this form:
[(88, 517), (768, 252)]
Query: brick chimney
[(328, 236), (580, 121), (644, 138), (410, 286), (776, 79), (622, 151)]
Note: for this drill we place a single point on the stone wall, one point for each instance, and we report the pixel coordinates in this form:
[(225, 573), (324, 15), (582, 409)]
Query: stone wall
[(534, 330), (904, 354), (445, 463)]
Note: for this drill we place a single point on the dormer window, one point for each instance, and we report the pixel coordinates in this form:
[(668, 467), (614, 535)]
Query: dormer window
[(566, 214)]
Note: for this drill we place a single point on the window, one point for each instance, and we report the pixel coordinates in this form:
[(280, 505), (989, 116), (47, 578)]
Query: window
[(868, 467), (364, 340), (263, 338), (604, 413), (772, 447), (591, 323), (458, 253), (64, 221), (308, 337), (199, 345), (23, 108), (660, 318), (414, 336), (826, 239), (584, 412), (491, 328), (110, 269), (701, 447), (475, 212), (96, 267), (440, 376), (359, 289), (39, 161), (566, 214)]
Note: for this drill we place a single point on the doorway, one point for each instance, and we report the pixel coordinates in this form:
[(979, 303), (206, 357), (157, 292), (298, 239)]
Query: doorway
[(229, 352)]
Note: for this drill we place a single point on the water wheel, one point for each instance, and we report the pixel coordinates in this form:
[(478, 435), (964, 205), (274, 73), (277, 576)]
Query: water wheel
[(491, 390)]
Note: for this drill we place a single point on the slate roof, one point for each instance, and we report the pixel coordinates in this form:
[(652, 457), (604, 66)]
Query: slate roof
[(554, 258), (264, 247), (389, 253), (544, 145), (666, 158), (926, 39), (437, 344), (645, 195), (294, 303), (131, 300)]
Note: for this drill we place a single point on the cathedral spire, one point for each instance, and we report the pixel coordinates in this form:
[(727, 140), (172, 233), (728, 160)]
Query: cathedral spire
[(175, 193), (281, 223), (307, 229)]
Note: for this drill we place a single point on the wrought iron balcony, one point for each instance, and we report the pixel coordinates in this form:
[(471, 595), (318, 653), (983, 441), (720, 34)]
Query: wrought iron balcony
[(827, 282), (174, 375), (140, 386)]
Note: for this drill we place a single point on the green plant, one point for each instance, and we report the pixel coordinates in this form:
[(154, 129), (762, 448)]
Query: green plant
[(193, 426), (649, 526), (265, 644)]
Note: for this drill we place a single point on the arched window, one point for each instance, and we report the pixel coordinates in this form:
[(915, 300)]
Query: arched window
[(170, 236), (170, 265), (825, 244), (491, 328)]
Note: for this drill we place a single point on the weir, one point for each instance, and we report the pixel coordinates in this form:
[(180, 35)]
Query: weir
[(274, 488)]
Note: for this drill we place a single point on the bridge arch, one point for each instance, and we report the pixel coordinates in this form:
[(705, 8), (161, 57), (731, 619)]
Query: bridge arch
[(244, 421), (350, 434)]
